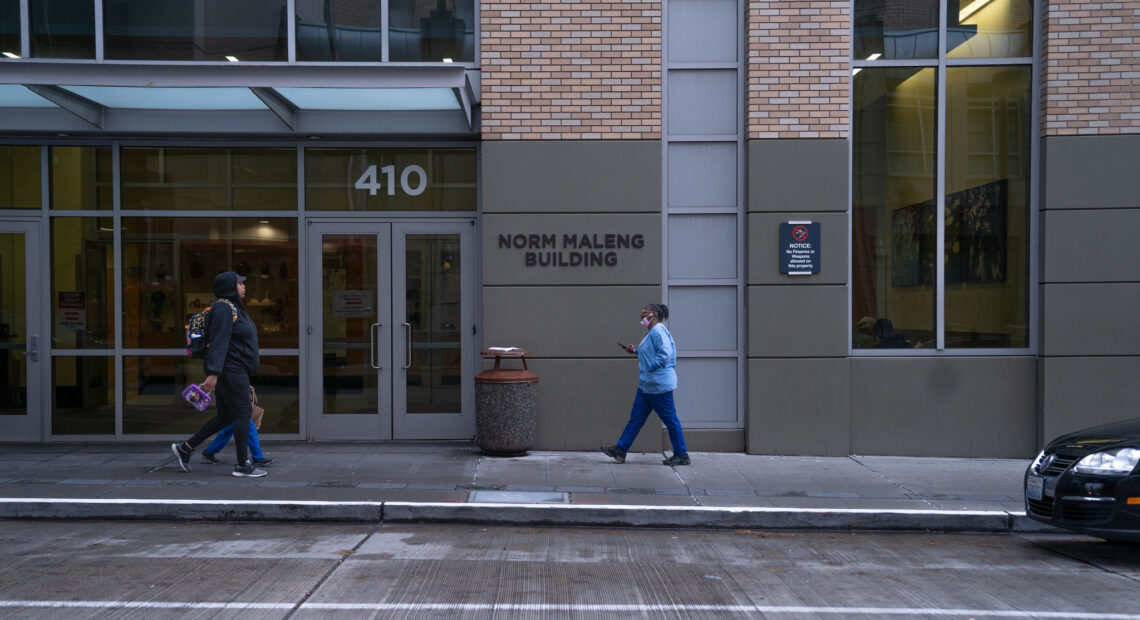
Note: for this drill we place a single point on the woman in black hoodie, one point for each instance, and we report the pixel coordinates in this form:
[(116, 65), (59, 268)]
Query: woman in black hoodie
[(231, 358)]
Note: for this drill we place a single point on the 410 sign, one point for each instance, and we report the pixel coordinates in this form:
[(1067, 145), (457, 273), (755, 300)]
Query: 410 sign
[(372, 182)]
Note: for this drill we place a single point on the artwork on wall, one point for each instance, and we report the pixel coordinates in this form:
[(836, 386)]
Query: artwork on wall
[(976, 234), (912, 245), (976, 243)]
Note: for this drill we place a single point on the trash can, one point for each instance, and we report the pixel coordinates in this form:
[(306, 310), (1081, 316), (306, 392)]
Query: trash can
[(506, 405)]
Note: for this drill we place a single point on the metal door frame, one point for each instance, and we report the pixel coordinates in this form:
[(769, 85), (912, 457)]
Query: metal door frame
[(392, 421), (34, 425)]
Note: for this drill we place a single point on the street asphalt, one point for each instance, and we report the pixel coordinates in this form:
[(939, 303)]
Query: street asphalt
[(455, 482)]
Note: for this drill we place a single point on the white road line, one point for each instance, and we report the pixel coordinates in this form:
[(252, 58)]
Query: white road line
[(568, 607)]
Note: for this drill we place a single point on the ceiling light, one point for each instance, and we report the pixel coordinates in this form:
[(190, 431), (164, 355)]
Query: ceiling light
[(10, 55), (232, 58), (970, 9), (874, 56), (446, 60)]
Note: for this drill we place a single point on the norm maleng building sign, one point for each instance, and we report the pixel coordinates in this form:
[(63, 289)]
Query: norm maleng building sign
[(571, 249)]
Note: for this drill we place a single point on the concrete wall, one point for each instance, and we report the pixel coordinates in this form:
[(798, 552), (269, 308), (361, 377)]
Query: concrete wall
[(798, 375), (572, 317), (806, 396), (1090, 281)]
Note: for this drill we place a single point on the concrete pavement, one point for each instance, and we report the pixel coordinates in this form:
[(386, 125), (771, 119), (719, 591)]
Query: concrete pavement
[(455, 482)]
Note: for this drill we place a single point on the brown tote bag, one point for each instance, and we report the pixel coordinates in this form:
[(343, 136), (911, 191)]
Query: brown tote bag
[(257, 412)]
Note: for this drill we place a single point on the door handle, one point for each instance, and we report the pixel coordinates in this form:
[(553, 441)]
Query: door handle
[(373, 331), (33, 351), (407, 345)]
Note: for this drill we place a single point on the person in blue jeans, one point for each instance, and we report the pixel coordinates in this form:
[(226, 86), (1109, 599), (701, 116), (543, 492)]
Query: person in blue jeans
[(656, 380), (209, 455)]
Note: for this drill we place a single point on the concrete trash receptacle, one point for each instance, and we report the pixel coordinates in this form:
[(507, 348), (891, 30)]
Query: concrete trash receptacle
[(506, 406)]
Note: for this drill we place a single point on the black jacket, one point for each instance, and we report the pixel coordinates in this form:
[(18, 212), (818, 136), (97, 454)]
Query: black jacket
[(232, 342)]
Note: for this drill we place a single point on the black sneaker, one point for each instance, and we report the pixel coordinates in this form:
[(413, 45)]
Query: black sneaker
[(677, 459), (614, 452), (183, 456), (262, 462), (208, 457), (248, 471)]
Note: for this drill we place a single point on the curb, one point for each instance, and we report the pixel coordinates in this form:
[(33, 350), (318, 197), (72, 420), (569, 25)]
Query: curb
[(677, 517)]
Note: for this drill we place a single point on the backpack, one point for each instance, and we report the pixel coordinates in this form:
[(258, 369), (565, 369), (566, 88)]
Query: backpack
[(197, 336)]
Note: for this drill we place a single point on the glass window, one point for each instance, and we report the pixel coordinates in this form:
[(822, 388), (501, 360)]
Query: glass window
[(169, 266), (982, 215), (430, 31), (987, 206), (434, 306), (339, 30), (205, 179), (989, 28), (893, 167), (13, 325), (81, 178), (153, 384), (9, 28), (195, 30), (82, 265), (20, 177), (390, 180), (62, 28), (83, 393), (890, 29)]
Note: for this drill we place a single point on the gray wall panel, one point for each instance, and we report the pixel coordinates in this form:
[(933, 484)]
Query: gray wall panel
[(1086, 391), (797, 321), (798, 407), (633, 265), (583, 403), (967, 407), (565, 321), (1091, 172), (1091, 245), (571, 176), (1091, 319), (764, 241), (797, 175)]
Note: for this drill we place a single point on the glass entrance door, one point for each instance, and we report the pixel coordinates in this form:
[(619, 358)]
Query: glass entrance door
[(22, 346), (391, 330)]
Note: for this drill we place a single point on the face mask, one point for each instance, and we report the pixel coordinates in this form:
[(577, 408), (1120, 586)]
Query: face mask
[(645, 322)]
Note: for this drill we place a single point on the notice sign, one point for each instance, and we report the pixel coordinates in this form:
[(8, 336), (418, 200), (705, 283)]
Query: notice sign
[(72, 310), (352, 304), (799, 248)]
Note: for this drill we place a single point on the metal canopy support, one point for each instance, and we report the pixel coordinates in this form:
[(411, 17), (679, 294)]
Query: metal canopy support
[(279, 116), (231, 74), (80, 106), (282, 107), (466, 96)]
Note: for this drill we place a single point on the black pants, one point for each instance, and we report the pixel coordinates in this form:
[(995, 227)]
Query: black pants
[(232, 396)]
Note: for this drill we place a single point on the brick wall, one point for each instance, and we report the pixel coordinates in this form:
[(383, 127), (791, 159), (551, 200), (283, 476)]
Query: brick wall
[(1091, 68), (571, 70), (798, 69)]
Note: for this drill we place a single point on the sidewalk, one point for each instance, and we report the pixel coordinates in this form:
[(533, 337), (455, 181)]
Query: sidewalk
[(442, 482)]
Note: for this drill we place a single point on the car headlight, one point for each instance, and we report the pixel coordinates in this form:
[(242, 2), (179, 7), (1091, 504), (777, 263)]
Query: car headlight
[(1037, 462), (1111, 462)]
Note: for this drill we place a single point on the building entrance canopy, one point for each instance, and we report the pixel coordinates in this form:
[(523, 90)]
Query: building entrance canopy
[(238, 99)]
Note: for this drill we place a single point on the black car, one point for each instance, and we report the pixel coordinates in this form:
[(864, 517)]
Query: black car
[(1089, 482)]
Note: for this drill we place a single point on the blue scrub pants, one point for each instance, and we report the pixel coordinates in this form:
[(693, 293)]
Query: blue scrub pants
[(662, 404), (223, 438)]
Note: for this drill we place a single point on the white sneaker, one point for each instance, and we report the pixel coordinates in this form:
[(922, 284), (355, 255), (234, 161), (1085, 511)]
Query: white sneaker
[(248, 471)]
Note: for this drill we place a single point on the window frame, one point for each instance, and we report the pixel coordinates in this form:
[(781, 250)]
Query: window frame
[(941, 63), (290, 38)]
